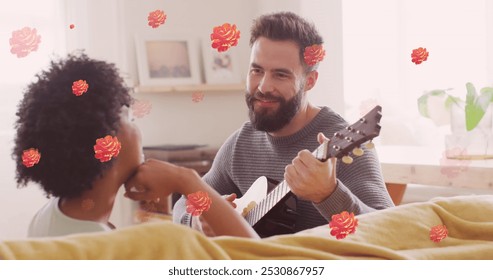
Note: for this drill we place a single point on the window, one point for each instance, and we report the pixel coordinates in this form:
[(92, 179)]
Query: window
[(378, 38)]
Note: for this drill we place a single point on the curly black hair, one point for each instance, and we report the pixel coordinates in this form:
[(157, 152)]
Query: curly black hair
[(64, 127)]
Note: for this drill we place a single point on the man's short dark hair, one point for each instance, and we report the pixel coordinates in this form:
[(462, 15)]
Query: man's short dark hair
[(283, 26), (64, 127)]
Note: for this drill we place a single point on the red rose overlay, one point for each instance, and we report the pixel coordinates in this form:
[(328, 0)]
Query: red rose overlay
[(79, 87), (419, 55), (438, 233), (140, 108), (314, 54), (107, 148), (225, 36), (197, 97), (156, 18), (197, 203), (24, 41), (30, 157), (72, 26), (343, 224)]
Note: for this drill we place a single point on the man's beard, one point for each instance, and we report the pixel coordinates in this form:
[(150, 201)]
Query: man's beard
[(267, 121)]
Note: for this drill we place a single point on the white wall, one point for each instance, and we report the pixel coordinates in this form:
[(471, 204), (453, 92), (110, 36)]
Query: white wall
[(175, 119), (379, 37), (17, 206)]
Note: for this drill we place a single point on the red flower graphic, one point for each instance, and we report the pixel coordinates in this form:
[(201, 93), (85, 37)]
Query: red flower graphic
[(72, 26), (438, 233), (197, 203), (30, 157), (314, 54), (24, 41), (225, 36), (419, 55), (79, 87), (156, 18), (343, 224), (453, 167), (141, 108), (106, 148), (197, 97)]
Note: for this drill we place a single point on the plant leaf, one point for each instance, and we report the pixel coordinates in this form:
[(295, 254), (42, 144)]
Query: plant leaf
[(451, 100), (474, 114), (475, 106), (423, 105), (484, 100), (436, 92), (487, 91), (423, 101), (471, 94)]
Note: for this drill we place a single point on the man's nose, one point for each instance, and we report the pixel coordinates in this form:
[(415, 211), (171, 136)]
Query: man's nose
[(266, 84)]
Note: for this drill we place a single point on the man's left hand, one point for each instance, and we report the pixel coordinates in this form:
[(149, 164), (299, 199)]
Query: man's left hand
[(309, 178)]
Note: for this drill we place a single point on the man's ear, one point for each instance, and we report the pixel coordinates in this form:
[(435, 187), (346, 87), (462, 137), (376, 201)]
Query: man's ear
[(311, 80)]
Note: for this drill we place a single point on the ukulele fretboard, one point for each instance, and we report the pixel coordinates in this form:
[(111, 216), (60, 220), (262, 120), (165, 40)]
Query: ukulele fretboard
[(279, 192)]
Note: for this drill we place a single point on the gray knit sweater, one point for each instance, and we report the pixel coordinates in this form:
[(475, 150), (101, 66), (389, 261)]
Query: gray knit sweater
[(248, 154)]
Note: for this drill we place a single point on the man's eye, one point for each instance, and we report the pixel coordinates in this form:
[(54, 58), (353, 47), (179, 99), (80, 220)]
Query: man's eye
[(255, 71), (281, 75)]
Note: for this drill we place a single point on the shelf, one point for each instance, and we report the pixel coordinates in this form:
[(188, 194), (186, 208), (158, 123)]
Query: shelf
[(191, 88)]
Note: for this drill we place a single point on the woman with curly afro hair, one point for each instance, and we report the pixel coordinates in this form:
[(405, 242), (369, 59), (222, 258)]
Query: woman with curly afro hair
[(75, 139), (74, 103)]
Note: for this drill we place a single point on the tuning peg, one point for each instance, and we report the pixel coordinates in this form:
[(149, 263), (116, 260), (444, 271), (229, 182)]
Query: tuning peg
[(358, 151), (370, 145), (347, 159), (248, 208)]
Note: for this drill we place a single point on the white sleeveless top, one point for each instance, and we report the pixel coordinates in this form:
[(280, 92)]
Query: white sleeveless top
[(50, 221)]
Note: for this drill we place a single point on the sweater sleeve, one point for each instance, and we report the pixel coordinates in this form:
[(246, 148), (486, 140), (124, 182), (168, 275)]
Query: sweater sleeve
[(360, 188), (218, 177)]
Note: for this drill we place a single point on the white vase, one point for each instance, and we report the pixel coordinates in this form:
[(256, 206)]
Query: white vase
[(474, 144)]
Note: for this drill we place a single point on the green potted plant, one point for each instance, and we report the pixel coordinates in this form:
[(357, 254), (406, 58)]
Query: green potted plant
[(475, 105), (471, 119)]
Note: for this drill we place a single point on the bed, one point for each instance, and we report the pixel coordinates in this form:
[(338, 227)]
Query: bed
[(402, 232)]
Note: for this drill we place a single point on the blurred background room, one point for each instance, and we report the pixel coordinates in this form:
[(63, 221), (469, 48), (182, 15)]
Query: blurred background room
[(368, 61)]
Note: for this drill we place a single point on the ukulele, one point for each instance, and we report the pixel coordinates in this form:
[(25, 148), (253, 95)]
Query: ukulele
[(274, 212)]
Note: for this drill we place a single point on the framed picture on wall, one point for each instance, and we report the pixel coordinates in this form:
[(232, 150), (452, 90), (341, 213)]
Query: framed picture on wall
[(164, 60), (220, 67)]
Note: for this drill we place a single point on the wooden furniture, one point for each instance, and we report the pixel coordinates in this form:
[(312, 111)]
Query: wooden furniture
[(196, 157), (402, 165)]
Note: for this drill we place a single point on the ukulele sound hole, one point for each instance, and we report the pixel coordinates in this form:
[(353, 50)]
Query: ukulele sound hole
[(280, 220)]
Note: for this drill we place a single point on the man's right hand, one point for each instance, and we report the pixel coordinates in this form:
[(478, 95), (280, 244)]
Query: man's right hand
[(202, 224)]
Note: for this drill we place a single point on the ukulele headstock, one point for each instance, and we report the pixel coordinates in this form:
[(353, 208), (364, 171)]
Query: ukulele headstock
[(349, 140)]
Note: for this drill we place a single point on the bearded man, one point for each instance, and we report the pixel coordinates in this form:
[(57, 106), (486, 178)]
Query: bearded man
[(284, 128)]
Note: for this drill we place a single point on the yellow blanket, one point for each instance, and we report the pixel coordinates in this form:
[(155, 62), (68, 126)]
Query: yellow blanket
[(397, 233)]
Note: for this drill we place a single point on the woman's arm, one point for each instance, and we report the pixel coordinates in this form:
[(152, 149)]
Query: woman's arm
[(156, 179)]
